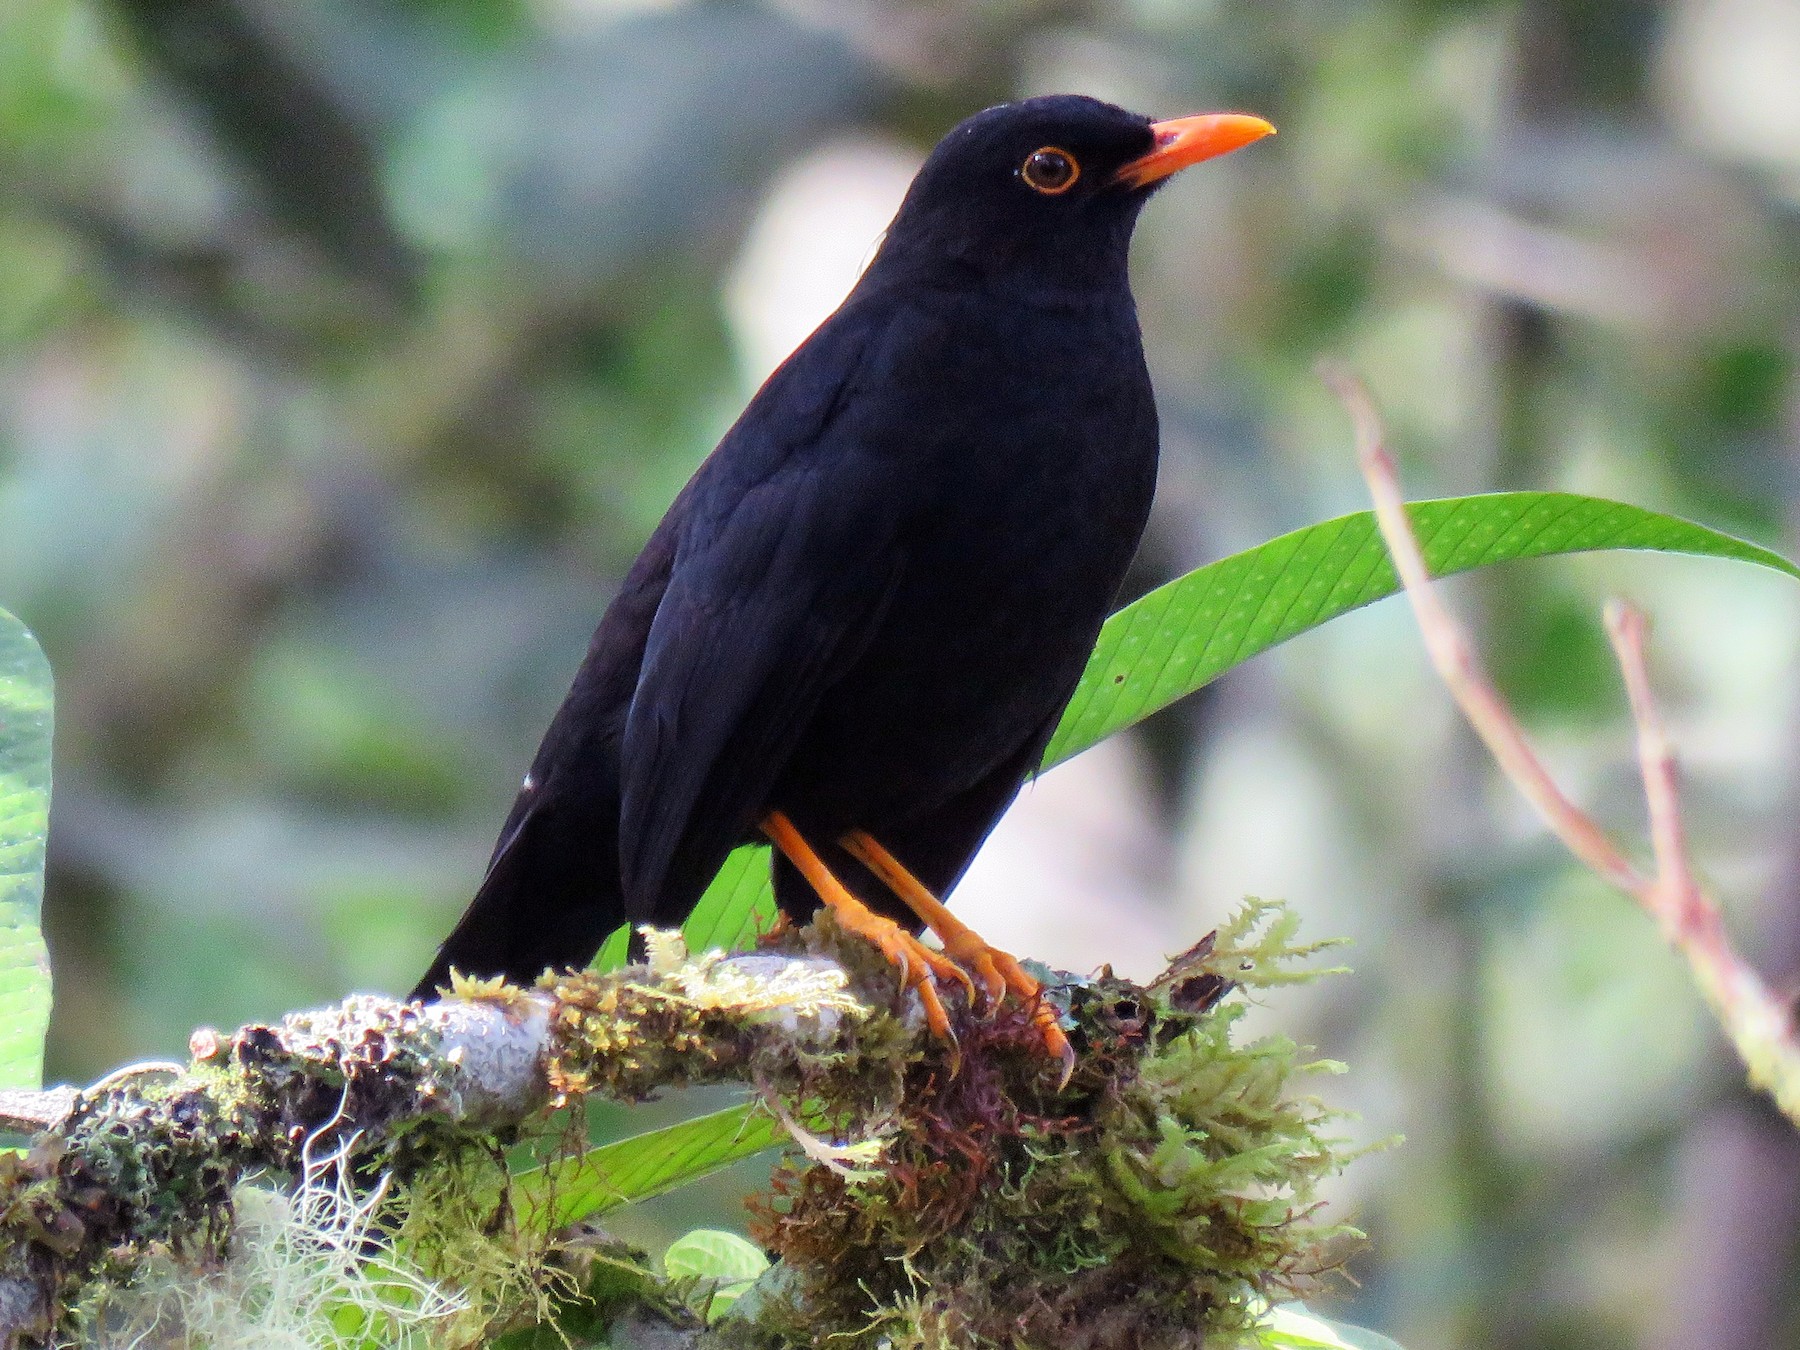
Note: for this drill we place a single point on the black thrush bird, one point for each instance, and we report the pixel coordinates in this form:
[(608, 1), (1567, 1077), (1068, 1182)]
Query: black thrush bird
[(855, 629)]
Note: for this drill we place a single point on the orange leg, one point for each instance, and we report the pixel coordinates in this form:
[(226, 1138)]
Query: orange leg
[(998, 972), (917, 962)]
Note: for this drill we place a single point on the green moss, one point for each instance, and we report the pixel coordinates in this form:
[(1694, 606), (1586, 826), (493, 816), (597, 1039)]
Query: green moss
[(1161, 1199), (457, 1226), (679, 1022)]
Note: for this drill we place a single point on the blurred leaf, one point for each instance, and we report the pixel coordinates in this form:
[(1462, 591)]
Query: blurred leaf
[(59, 81), (648, 1164), (487, 21), (1592, 1043), (1186, 634), (1328, 288), (1292, 1327), (326, 726), (713, 1254), (1743, 386), (25, 709), (1718, 428), (563, 154), (728, 1261), (42, 279), (280, 124), (1582, 680)]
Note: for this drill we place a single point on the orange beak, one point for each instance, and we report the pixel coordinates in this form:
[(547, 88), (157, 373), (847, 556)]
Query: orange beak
[(1182, 141)]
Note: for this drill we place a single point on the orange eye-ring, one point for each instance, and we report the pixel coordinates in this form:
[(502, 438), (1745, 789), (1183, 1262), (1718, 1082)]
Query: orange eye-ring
[(1050, 170)]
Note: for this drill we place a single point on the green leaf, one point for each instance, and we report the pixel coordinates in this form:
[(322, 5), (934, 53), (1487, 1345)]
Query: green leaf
[(1186, 634), (637, 1168), (729, 1263), (25, 708), (615, 951), (736, 907), (714, 1254)]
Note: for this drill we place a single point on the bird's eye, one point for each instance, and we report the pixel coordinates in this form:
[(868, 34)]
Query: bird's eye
[(1050, 170)]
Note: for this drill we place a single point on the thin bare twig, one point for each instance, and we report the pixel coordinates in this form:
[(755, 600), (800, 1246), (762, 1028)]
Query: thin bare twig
[(1760, 1026), (1674, 897)]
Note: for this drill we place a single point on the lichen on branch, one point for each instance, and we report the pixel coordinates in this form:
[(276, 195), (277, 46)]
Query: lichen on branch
[(1165, 1194), (148, 1159)]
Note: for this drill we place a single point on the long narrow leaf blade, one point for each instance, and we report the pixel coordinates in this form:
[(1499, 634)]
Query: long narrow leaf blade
[(736, 907), (1186, 634), (637, 1168), (25, 709)]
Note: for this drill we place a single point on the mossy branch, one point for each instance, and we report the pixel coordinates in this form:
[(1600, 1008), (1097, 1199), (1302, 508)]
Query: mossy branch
[(1168, 1187)]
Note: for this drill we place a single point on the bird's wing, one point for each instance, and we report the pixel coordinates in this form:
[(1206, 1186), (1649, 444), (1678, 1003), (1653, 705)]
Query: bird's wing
[(783, 589), (551, 892)]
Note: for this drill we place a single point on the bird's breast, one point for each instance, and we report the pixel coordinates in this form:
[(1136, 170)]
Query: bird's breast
[(1033, 455)]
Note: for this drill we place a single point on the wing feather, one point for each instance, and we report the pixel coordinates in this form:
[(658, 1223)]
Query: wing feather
[(750, 634)]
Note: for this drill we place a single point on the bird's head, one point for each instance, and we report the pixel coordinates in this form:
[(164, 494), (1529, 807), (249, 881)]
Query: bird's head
[(1046, 191)]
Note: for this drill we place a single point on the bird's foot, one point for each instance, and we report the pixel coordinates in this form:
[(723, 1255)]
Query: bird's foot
[(921, 968), (1000, 973)]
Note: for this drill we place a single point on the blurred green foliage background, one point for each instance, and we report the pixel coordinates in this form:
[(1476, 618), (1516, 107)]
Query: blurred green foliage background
[(348, 351)]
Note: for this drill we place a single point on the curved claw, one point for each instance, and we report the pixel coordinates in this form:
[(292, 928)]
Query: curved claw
[(946, 969), (936, 1019), (965, 958), (1000, 972), (1003, 968), (1043, 1016), (980, 961), (920, 970)]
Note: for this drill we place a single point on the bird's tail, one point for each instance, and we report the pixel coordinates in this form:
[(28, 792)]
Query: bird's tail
[(551, 896)]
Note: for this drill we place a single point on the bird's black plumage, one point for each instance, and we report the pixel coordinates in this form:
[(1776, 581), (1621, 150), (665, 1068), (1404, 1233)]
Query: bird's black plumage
[(868, 607)]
